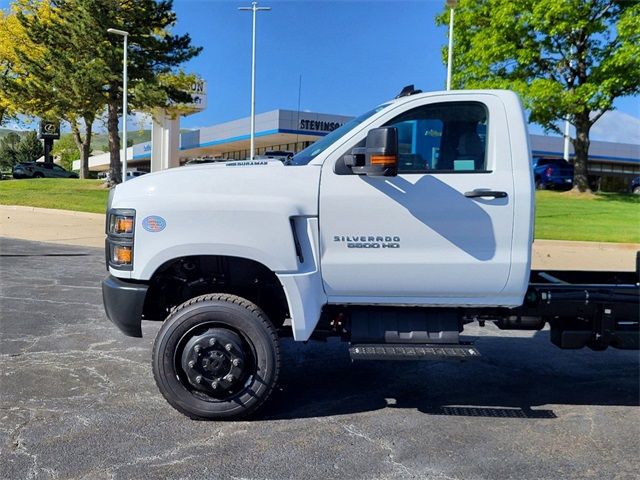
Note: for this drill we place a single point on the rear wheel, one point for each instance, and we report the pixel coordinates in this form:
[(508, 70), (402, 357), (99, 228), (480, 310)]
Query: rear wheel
[(216, 357), (636, 191)]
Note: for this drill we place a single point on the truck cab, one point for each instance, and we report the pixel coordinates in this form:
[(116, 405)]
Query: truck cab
[(393, 230)]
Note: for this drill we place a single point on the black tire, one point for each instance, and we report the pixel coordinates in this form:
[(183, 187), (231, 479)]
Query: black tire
[(38, 175), (193, 320), (540, 185)]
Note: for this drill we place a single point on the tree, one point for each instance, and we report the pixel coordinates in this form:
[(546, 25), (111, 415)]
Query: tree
[(9, 149), (154, 55), (568, 60), (11, 34), (66, 150), (78, 71), (30, 147), (64, 81)]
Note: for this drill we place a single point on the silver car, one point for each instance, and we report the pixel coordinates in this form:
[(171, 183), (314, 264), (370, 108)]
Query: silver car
[(41, 170)]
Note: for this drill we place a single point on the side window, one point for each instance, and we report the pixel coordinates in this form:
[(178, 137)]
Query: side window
[(442, 138)]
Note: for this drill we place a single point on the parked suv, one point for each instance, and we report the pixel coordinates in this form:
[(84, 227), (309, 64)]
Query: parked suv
[(41, 170), (552, 173)]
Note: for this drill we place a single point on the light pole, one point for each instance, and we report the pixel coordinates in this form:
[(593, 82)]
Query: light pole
[(452, 4), (253, 8), (125, 35), (567, 139)]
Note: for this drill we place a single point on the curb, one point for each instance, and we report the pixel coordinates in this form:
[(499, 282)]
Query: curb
[(71, 213)]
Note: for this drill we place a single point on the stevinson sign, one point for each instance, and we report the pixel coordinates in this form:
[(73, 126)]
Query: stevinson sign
[(198, 92), (318, 125)]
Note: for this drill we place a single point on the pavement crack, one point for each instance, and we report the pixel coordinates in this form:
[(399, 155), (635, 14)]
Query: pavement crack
[(25, 349), (17, 445), (391, 456), (44, 300)]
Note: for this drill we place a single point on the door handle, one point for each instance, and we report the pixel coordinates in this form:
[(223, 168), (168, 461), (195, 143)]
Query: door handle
[(478, 193)]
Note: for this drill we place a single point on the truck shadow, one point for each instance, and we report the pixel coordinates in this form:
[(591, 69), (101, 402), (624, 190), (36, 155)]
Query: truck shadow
[(476, 235), (515, 378)]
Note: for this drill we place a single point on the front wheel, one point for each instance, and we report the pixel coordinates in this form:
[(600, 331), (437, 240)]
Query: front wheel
[(216, 357)]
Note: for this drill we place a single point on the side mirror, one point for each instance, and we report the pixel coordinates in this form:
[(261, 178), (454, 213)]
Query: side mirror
[(379, 156)]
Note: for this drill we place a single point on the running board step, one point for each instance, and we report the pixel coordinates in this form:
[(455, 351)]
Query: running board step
[(411, 351)]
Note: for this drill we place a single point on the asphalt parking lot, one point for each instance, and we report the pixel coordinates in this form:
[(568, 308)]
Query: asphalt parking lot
[(78, 401)]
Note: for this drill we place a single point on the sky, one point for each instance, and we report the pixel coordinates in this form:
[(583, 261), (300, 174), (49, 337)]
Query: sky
[(351, 56)]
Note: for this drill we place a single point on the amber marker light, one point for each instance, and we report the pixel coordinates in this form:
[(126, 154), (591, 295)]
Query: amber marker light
[(383, 160), (121, 224), (124, 225)]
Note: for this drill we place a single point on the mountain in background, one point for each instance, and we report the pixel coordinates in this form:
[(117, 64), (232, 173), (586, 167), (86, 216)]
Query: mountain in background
[(100, 140), (5, 131)]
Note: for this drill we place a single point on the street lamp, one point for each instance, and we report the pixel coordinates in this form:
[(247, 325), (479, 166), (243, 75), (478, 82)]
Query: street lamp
[(452, 4), (567, 139), (253, 8), (125, 35)]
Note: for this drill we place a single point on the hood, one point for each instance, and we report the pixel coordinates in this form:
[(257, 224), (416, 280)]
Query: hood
[(245, 184)]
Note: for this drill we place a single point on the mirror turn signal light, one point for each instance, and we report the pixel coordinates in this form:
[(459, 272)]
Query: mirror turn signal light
[(122, 254), (384, 160)]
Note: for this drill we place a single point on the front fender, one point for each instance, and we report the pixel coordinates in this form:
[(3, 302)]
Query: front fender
[(267, 259), (305, 297)]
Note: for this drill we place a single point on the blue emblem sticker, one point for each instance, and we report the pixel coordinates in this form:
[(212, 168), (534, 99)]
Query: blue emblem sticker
[(154, 223)]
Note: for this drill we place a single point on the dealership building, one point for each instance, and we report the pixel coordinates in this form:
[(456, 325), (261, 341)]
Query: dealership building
[(291, 131)]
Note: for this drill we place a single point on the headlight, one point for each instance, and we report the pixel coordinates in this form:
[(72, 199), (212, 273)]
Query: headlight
[(120, 231), (121, 224)]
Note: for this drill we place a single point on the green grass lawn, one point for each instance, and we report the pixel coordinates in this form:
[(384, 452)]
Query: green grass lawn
[(599, 218), (59, 193), (559, 216)]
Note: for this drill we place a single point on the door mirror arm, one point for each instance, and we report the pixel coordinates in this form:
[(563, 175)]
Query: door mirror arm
[(355, 158)]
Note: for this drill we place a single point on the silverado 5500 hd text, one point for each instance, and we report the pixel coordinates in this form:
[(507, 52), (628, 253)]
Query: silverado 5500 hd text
[(392, 232)]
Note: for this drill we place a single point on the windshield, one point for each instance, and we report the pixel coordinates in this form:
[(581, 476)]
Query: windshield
[(312, 151)]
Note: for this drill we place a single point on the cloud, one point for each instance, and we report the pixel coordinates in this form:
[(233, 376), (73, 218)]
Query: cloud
[(615, 126)]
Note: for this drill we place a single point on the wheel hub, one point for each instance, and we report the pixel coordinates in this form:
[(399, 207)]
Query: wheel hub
[(214, 361)]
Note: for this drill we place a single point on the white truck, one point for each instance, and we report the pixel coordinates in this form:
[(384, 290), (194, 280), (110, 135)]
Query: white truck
[(392, 232)]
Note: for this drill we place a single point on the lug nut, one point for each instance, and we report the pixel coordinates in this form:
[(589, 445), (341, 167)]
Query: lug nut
[(192, 364), (196, 348), (198, 379), (228, 347), (236, 362), (214, 384), (229, 378), (212, 341)]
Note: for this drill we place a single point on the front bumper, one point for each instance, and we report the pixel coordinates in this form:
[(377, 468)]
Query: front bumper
[(123, 302)]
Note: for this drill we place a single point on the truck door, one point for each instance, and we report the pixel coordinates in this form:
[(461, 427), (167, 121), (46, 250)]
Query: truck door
[(426, 235)]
